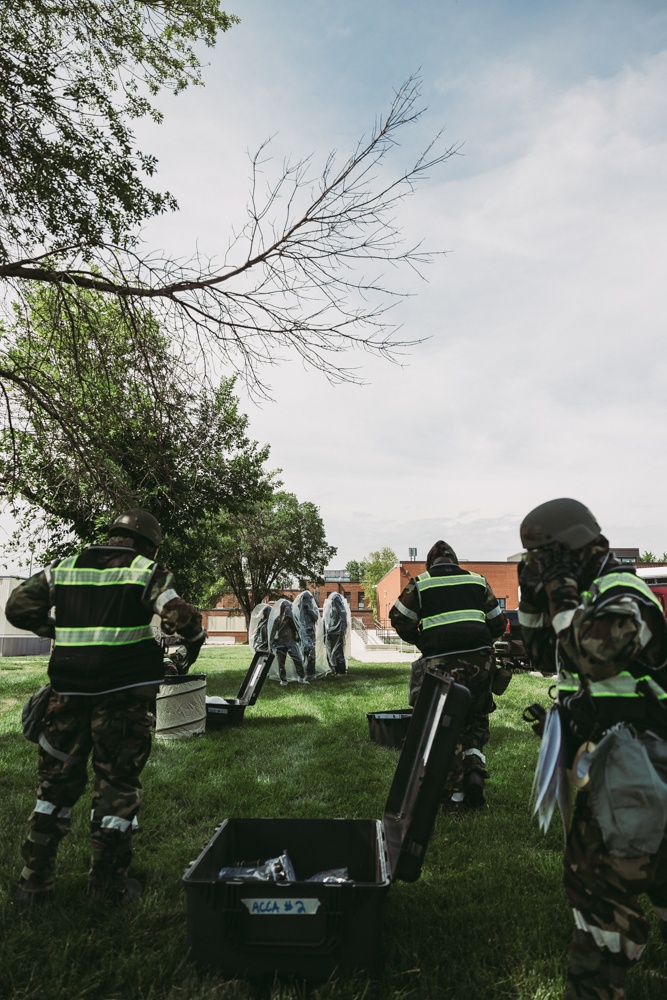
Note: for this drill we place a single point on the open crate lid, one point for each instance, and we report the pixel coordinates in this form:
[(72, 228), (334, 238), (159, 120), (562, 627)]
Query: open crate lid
[(416, 789), (254, 679)]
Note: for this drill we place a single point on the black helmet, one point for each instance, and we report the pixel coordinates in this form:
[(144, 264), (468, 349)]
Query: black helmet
[(566, 521), (139, 522)]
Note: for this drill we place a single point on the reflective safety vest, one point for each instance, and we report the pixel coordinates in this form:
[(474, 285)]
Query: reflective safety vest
[(621, 697), (453, 616), (103, 636)]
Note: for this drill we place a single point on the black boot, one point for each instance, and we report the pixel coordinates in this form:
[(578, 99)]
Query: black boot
[(473, 788)]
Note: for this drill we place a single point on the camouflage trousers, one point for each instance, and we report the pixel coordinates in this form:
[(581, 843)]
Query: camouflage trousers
[(114, 731), (474, 671), (611, 929)]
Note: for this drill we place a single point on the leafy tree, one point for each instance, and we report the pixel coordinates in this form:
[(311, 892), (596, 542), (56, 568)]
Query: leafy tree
[(73, 75), (143, 437), (647, 557), (376, 565), (356, 570), (261, 551)]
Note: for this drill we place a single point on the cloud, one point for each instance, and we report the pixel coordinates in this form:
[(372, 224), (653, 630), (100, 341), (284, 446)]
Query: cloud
[(544, 372)]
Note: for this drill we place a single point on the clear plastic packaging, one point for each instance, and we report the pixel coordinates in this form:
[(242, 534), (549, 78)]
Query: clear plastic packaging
[(333, 876), (278, 869)]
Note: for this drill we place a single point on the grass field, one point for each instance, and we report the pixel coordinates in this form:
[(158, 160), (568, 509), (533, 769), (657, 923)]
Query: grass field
[(487, 919)]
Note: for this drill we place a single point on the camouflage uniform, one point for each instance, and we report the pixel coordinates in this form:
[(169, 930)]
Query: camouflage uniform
[(609, 642), (110, 725), (474, 671), (465, 650)]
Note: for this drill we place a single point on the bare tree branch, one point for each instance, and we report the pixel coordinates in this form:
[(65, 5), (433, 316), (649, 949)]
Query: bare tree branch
[(305, 274)]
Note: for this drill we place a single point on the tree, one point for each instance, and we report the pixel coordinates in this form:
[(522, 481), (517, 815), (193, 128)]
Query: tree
[(376, 565), (73, 75), (356, 570), (143, 437), (647, 557), (261, 551), (304, 274)]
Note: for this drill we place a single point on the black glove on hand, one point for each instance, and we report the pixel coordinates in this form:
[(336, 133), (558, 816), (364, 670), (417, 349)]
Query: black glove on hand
[(531, 582), (556, 562)]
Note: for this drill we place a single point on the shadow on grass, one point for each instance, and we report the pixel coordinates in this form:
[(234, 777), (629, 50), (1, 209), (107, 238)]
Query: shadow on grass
[(265, 722)]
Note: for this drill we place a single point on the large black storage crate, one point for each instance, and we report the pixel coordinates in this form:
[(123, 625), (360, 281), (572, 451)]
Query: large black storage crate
[(312, 930), (229, 712)]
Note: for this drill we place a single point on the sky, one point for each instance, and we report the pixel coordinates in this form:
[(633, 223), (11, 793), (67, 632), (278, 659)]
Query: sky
[(543, 362)]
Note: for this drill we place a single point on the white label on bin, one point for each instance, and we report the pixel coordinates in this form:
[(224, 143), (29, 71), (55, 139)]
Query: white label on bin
[(281, 907)]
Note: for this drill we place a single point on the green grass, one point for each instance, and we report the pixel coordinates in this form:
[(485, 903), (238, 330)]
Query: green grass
[(487, 919)]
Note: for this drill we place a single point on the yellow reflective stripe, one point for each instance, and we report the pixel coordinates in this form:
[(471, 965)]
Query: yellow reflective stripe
[(453, 618), (425, 581), (605, 583), (112, 577), (102, 636), (623, 685)]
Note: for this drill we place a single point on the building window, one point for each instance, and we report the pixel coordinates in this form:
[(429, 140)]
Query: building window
[(361, 600), (502, 601), (347, 595)]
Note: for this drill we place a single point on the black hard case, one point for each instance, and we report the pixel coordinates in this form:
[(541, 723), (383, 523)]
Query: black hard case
[(389, 729), (219, 715), (249, 929)]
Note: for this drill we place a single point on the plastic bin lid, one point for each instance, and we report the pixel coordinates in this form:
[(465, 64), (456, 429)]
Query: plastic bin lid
[(416, 790), (254, 678)]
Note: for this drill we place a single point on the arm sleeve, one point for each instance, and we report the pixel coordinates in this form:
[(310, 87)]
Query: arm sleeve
[(29, 605), (538, 636), (495, 619), (176, 614), (601, 638), (405, 614)]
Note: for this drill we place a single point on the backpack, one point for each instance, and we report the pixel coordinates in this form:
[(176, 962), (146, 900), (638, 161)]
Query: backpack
[(34, 710)]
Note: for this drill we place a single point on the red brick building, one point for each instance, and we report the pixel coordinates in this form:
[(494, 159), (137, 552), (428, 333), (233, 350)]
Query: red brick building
[(226, 622), (502, 578)]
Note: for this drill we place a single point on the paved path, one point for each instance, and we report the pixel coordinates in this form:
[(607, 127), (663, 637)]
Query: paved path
[(375, 655)]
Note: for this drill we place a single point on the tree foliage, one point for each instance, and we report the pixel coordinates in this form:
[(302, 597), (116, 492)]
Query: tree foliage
[(262, 551), (355, 570), (144, 437), (376, 565), (73, 75), (651, 557)]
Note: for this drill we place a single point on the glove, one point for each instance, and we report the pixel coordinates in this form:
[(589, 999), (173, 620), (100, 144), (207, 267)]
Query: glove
[(180, 659), (192, 648), (531, 583), (557, 563)]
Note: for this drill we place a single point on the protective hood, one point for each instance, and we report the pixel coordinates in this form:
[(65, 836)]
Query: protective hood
[(258, 628)]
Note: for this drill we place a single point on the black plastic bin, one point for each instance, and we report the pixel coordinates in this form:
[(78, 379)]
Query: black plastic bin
[(229, 712), (311, 930), (389, 729)]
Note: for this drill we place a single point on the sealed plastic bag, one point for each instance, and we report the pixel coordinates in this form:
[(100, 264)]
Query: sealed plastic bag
[(278, 869)]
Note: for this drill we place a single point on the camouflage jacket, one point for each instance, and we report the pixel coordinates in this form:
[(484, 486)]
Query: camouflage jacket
[(608, 644), (407, 613)]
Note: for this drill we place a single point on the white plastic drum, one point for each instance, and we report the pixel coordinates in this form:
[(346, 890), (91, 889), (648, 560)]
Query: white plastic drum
[(181, 707)]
